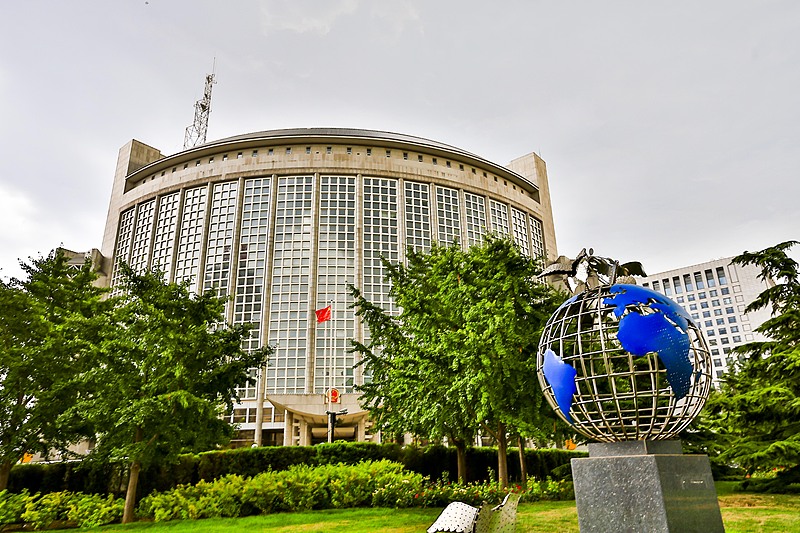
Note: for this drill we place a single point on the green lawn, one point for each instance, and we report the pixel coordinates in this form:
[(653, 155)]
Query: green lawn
[(740, 513)]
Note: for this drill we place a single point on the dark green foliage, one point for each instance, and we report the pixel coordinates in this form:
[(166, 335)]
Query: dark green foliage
[(252, 461), (434, 462), (303, 487), (757, 413), (51, 324), (460, 356)]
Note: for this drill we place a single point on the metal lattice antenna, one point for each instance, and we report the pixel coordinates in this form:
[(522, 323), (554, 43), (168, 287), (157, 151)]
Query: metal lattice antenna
[(196, 133)]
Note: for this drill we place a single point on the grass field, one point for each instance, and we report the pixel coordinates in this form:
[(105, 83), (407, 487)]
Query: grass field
[(740, 513)]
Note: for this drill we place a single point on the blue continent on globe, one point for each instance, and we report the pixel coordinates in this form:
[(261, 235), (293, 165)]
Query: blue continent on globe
[(641, 333), (662, 329), (561, 378)]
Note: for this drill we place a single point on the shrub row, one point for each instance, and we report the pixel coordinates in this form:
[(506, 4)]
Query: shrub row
[(302, 487), (435, 462), (62, 508)]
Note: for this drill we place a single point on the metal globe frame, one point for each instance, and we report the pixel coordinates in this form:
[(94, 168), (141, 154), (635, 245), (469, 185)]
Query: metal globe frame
[(619, 397)]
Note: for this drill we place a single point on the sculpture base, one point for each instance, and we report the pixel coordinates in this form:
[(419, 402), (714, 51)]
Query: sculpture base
[(645, 486)]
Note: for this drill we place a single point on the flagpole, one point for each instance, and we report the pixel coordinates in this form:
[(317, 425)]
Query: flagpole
[(330, 372)]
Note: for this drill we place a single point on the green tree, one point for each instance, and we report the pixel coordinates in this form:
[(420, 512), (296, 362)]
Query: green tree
[(50, 323), (164, 376), (460, 356), (758, 409)]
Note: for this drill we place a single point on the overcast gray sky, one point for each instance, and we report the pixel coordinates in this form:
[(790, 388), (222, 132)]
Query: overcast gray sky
[(671, 130)]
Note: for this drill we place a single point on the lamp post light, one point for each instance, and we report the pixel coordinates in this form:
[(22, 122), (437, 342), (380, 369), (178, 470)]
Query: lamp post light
[(332, 421)]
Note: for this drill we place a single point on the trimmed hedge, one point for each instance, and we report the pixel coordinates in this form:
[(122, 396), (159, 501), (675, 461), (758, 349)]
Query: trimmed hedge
[(434, 462)]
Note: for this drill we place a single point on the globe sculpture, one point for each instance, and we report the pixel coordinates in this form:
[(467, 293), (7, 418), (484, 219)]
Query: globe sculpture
[(622, 362)]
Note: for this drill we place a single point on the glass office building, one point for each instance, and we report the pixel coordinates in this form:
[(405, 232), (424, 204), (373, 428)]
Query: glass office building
[(282, 221)]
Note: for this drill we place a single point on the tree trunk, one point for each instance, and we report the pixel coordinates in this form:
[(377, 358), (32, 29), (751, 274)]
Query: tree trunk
[(133, 483), (130, 494), (461, 455), (5, 472), (523, 465), (502, 456)]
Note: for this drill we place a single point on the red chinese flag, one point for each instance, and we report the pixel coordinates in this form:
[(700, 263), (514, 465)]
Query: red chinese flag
[(323, 314)]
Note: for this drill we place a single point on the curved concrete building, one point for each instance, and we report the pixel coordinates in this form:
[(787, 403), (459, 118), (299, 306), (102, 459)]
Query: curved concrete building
[(282, 221)]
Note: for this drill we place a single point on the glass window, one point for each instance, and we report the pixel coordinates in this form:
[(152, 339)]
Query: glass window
[(698, 280), (687, 282), (417, 209), (723, 280), (475, 208), (190, 239), (657, 286), (725, 290), (537, 237), (667, 288), (336, 270), (498, 213), (676, 283), (449, 218), (690, 297), (710, 278), (166, 227), (519, 229)]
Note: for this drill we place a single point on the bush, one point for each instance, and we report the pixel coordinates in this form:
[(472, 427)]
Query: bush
[(302, 487), (12, 506), (44, 511), (84, 510), (92, 510), (433, 461)]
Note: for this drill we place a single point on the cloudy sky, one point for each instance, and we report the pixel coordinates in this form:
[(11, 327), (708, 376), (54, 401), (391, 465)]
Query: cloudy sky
[(671, 130)]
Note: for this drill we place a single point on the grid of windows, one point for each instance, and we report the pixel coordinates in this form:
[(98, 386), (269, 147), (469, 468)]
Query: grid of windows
[(449, 217), (142, 236), (537, 237), (333, 363), (166, 226), (194, 234), (498, 216), (191, 235), (220, 238), (381, 238), (418, 217), (520, 230), (249, 299), (124, 237), (476, 218), (248, 390), (291, 268)]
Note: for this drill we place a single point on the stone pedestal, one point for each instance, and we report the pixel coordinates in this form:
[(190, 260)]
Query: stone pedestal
[(645, 486)]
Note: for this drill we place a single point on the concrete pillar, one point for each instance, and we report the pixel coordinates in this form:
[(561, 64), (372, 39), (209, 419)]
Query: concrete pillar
[(288, 429), (361, 433)]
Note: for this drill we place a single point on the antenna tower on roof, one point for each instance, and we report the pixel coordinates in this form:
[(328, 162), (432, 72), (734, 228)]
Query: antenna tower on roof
[(196, 133)]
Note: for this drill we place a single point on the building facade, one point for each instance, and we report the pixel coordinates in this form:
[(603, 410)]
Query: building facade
[(716, 295), (282, 221)]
